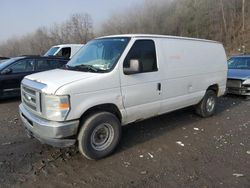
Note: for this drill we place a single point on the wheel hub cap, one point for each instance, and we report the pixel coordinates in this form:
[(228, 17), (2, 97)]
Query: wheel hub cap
[(102, 137), (210, 104)]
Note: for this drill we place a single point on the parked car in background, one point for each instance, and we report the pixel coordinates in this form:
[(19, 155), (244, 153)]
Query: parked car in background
[(116, 80), (64, 50), (2, 59), (12, 71), (238, 81)]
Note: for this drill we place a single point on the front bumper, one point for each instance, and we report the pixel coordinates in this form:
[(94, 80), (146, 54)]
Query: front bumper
[(239, 91), (236, 86), (58, 134)]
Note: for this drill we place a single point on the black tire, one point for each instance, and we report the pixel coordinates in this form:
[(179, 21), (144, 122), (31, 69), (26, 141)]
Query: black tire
[(207, 106), (96, 128)]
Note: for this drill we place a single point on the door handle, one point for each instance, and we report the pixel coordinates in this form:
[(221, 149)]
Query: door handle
[(159, 86)]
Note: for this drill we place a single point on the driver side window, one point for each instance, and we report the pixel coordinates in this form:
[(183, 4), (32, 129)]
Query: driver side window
[(64, 52), (144, 51)]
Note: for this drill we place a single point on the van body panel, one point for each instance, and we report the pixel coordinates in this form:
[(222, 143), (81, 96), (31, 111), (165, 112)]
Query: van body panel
[(190, 67), (183, 72), (93, 91), (141, 99), (179, 76), (186, 68), (57, 78)]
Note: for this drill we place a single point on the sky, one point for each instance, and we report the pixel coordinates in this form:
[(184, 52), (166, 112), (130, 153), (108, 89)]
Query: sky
[(19, 17)]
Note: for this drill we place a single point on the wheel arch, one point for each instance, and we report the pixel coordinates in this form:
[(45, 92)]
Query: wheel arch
[(108, 107), (215, 88)]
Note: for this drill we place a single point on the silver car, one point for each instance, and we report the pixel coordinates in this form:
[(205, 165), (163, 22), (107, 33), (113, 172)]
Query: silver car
[(238, 81)]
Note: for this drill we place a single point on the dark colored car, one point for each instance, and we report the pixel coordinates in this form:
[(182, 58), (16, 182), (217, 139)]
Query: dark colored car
[(13, 70), (238, 79), (3, 58)]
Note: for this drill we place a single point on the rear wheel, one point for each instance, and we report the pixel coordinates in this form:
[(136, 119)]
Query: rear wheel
[(207, 105), (99, 135)]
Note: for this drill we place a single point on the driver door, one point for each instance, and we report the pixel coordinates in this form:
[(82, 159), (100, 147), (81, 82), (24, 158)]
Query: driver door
[(141, 91)]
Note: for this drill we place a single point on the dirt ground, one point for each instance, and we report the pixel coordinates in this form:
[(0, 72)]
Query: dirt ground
[(178, 149)]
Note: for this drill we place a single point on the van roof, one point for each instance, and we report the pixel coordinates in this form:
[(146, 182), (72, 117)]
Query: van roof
[(158, 36), (66, 45)]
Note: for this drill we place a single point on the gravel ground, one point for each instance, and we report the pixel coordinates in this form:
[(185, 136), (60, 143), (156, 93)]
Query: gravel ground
[(178, 149)]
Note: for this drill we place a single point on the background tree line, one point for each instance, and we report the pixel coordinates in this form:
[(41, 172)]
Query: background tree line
[(227, 21), (78, 29)]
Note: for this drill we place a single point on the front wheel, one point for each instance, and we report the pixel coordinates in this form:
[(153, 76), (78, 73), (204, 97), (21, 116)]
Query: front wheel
[(99, 135), (207, 105)]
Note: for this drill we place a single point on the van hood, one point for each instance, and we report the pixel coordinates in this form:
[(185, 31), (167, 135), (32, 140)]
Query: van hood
[(55, 79), (241, 74)]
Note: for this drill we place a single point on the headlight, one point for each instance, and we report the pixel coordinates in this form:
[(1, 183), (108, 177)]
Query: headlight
[(55, 108), (246, 82)]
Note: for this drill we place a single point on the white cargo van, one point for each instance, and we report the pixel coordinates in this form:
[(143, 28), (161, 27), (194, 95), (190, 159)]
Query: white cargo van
[(64, 50), (116, 80)]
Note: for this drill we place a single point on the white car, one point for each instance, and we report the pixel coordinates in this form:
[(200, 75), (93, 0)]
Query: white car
[(116, 80), (64, 50)]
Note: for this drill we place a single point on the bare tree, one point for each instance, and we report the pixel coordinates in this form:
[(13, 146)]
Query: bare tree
[(227, 21), (223, 15), (78, 29), (243, 15)]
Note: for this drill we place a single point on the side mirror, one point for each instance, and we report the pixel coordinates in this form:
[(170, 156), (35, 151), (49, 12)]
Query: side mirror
[(7, 71), (135, 67)]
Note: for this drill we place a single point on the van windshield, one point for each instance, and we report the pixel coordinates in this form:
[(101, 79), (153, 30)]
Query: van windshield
[(100, 55), (51, 51)]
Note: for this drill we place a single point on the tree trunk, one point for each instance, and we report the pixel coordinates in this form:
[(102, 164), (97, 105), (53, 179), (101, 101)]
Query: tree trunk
[(243, 15), (223, 16)]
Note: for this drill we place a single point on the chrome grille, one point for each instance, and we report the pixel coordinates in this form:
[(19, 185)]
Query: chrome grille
[(234, 83), (31, 98)]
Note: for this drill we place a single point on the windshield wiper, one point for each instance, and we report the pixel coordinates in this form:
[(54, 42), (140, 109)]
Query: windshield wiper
[(82, 68)]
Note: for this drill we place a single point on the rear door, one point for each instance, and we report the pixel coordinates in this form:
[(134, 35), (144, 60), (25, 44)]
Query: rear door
[(11, 82), (142, 91)]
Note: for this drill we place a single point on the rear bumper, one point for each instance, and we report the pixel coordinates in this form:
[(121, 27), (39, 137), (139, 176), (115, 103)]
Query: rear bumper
[(58, 134)]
